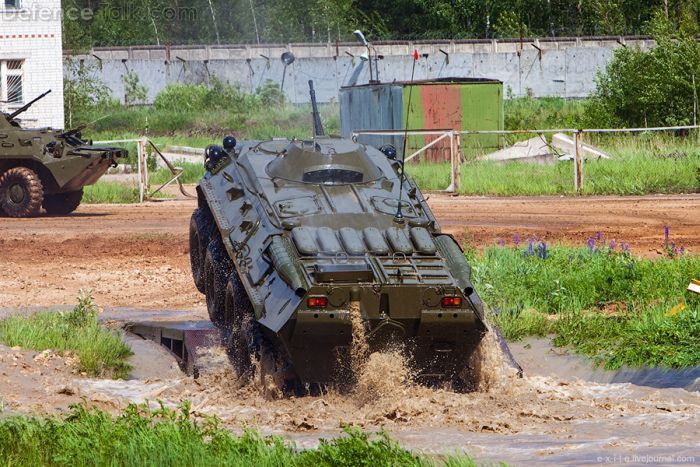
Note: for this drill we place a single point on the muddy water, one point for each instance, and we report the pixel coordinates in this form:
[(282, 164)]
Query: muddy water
[(539, 419), (542, 358)]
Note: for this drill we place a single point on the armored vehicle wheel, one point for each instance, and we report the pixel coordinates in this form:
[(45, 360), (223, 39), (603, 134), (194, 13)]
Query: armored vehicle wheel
[(61, 204), (217, 270), (201, 227), (21, 192), (238, 323)]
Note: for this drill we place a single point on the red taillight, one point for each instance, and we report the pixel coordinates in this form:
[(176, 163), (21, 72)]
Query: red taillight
[(317, 302), (451, 302)]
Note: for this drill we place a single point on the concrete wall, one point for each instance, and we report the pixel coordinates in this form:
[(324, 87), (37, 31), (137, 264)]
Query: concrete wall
[(32, 34), (564, 68)]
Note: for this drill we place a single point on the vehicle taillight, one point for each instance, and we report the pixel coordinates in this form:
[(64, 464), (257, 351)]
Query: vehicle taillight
[(451, 302), (317, 302)]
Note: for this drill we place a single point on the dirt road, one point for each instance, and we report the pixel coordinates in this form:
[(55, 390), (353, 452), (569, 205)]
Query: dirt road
[(137, 256)]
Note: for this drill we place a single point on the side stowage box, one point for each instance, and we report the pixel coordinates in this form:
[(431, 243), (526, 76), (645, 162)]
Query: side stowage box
[(375, 241), (423, 241), (399, 241), (352, 241), (327, 241), (304, 240)]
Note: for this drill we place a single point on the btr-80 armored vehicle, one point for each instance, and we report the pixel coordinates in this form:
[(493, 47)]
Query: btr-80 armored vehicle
[(45, 168), (302, 247)]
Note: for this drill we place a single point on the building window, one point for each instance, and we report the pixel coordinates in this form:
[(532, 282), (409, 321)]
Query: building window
[(12, 81), (9, 4)]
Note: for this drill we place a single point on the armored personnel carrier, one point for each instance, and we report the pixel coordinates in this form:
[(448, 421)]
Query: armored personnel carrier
[(302, 247), (45, 168)]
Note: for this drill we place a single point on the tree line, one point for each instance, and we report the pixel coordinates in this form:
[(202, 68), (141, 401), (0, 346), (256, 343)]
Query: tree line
[(93, 23)]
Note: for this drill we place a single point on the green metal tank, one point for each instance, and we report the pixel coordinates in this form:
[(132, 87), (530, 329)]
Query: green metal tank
[(46, 168), (292, 237)]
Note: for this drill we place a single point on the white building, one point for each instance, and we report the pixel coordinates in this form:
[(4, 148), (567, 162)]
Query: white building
[(31, 60)]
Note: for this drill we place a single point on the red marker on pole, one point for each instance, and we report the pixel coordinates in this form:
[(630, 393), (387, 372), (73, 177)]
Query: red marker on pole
[(415, 55)]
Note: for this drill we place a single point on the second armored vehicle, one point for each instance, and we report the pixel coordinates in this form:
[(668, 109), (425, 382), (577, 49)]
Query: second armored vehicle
[(304, 247), (46, 168)]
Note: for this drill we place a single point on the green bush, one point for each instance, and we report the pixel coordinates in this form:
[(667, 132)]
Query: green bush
[(182, 97), (84, 94), (658, 87), (217, 95)]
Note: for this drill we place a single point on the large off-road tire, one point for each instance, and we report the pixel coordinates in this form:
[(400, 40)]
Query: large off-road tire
[(62, 204), (251, 348), (21, 192), (238, 327), (201, 228), (217, 270)]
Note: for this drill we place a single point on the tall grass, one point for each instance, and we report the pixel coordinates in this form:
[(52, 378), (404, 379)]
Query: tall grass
[(166, 437), (99, 351), (191, 173), (606, 303), (639, 165), (208, 126), (111, 193)]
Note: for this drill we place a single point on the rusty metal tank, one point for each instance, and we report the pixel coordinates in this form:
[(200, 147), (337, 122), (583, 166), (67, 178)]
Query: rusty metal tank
[(296, 243), (47, 168)]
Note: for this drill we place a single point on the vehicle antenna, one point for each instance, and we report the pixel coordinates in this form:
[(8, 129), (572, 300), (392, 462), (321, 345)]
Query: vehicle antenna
[(399, 214), (318, 126)]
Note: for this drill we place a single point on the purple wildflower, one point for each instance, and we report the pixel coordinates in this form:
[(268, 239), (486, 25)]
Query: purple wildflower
[(666, 234), (674, 250), (516, 239), (626, 247), (613, 244), (682, 249), (530, 247), (501, 242), (591, 244), (599, 236), (542, 250)]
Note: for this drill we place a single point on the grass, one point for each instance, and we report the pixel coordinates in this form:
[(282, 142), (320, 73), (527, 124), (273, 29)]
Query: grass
[(99, 351), (546, 112), (604, 302), (141, 436), (639, 165), (192, 173), (209, 126), (111, 193)]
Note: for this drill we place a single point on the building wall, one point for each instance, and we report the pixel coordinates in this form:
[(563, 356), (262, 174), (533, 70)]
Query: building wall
[(563, 68), (32, 33)]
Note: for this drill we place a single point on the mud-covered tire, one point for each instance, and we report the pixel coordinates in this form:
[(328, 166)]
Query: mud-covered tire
[(21, 192), (217, 270), (238, 326), (201, 228), (62, 204), (250, 347)]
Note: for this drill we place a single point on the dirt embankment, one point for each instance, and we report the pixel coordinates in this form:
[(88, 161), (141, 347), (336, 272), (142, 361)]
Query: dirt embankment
[(137, 256)]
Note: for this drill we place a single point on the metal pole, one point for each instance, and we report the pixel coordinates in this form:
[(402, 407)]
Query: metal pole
[(138, 170), (578, 163), (146, 177), (454, 163), (142, 170), (458, 156)]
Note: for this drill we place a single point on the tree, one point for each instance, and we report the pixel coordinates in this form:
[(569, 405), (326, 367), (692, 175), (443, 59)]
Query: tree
[(658, 87)]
